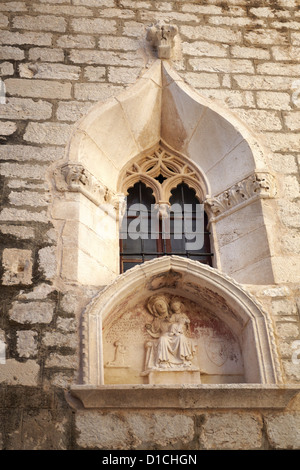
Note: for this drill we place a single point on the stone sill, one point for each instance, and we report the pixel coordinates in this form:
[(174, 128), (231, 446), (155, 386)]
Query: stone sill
[(233, 396)]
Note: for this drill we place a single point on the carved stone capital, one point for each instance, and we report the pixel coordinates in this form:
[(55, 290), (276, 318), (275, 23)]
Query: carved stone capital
[(161, 36), (75, 178), (258, 185)]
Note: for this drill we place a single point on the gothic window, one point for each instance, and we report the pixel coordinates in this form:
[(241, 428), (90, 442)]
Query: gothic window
[(152, 228)]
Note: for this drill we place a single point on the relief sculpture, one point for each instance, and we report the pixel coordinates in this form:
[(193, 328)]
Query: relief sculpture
[(174, 348)]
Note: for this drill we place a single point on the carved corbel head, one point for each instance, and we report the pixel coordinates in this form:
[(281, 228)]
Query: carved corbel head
[(161, 36)]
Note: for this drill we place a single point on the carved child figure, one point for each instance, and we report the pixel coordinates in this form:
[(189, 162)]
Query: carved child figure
[(170, 326)]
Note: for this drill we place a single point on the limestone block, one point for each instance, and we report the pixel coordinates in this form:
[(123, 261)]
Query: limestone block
[(62, 362), (18, 231), (250, 52), (203, 9), (292, 121), (118, 42), (38, 89), (17, 266), (6, 68), (93, 429), (66, 324), (223, 35), (38, 39), (48, 133), (89, 57), (47, 261), (238, 224), (46, 54), (61, 10), (273, 100), (222, 65), (95, 74), (266, 36), (7, 127), (11, 53), (39, 292), (291, 242), (261, 120), (17, 170), (95, 25), (28, 152), (284, 164), (231, 98), (286, 53), (287, 330), (96, 92), (286, 268), (76, 41), (49, 71), (40, 429), (283, 430), (291, 186), (19, 373), (278, 68), (134, 28), (13, 6), (258, 272), (133, 430), (292, 371), (60, 340), (26, 343), (202, 80), (123, 75), (295, 38), (72, 110), (11, 215), (234, 21), (32, 312), (235, 431), (280, 142), (40, 23), (117, 12), (18, 108), (62, 380), (289, 213), (257, 82), (283, 307), (94, 3)]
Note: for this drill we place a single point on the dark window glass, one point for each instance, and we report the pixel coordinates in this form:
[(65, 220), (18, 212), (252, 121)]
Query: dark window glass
[(144, 236)]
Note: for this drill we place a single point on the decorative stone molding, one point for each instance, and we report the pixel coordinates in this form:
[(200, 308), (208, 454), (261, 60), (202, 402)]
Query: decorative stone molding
[(194, 281), (161, 36), (174, 169), (225, 396), (257, 185), (74, 177)]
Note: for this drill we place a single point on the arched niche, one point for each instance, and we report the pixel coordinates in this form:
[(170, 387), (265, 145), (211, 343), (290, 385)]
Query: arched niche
[(233, 334), (239, 188)]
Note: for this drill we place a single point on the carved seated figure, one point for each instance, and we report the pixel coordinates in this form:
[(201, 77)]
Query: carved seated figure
[(174, 349)]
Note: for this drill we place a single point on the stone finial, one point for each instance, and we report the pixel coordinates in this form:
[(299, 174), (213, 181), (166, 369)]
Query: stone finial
[(162, 36)]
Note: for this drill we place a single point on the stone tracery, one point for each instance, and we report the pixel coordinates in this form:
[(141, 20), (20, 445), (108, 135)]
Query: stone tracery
[(174, 169)]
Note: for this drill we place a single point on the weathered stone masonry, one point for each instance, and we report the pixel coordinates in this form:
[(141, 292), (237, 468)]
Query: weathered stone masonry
[(59, 58)]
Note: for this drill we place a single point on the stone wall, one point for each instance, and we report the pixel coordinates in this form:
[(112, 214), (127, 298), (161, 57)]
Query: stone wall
[(59, 57)]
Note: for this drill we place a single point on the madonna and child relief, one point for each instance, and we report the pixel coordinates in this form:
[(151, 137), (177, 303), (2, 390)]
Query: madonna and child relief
[(168, 339)]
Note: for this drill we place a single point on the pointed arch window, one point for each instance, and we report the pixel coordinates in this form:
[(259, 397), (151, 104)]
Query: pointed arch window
[(151, 230)]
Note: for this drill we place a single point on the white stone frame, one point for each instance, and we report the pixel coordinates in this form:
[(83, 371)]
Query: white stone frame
[(249, 321), (232, 165)]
